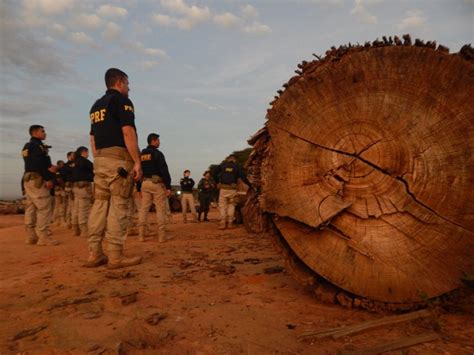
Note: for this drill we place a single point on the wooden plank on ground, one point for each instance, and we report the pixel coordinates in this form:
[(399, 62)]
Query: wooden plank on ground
[(396, 345), (359, 327)]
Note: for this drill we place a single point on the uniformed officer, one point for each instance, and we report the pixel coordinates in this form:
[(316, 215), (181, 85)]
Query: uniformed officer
[(59, 213), (187, 198), (66, 172), (37, 182), (83, 176), (229, 173), (206, 187), (113, 140), (156, 187)]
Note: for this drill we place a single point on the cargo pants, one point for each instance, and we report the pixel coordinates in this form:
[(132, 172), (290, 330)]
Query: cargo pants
[(227, 202), (37, 206), (153, 193), (82, 191), (69, 203), (112, 192), (59, 213), (187, 199)]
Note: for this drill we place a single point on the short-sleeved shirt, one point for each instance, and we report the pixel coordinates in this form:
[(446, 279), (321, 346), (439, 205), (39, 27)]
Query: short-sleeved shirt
[(108, 115), (154, 163), (229, 173), (36, 158)]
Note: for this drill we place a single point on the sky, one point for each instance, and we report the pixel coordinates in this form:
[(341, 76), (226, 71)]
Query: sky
[(201, 72)]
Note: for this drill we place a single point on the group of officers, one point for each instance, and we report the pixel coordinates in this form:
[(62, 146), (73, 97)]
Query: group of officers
[(97, 200)]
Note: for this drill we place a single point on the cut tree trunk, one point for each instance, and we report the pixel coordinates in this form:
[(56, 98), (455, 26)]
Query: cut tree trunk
[(365, 168)]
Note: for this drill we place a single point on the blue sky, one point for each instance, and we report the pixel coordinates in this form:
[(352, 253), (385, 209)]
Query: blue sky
[(201, 72)]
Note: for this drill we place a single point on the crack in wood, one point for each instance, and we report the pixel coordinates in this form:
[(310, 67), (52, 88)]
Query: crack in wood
[(376, 167)]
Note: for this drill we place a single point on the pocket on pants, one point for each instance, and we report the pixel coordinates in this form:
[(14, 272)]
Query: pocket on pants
[(122, 187)]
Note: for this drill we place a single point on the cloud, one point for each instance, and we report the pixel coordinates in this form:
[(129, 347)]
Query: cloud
[(140, 29), (413, 19), (200, 103), (88, 21), (58, 29), (152, 52), (23, 51), (249, 11), (112, 31), (47, 7), (149, 64), (257, 28), (226, 19), (163, 20), (112, 11), (81, 38), (189, 16), (180, 7), (361, 12)]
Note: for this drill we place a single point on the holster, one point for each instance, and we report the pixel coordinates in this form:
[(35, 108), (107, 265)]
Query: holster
[(156, 179), (37, 178)]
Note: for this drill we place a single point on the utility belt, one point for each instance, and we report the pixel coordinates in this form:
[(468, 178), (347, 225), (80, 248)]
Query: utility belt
[(35, 177), (156, 179), (31, 176), (82, 184), (227, 186), (187, 192), (119, 153)]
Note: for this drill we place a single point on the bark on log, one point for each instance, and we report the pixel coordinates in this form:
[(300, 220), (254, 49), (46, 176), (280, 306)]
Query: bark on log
[(365, 167)]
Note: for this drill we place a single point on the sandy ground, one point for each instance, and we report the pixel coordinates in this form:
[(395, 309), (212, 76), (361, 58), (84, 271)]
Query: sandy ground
[(209, 286)]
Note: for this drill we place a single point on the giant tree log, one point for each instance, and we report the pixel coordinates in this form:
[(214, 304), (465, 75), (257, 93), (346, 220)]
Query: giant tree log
[(365, 168)]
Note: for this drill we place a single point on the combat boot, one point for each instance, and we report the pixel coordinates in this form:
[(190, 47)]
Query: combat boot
[(76, 231), (141, 233), (31, 237), (46, 240), (205, 217), (117, 260), (83, 231), (199, 217), (96, 256)]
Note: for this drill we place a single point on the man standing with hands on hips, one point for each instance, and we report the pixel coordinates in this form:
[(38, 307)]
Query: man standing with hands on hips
[(114, 143)]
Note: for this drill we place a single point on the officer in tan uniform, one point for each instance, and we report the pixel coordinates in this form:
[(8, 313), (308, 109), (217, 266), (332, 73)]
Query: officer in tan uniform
[(187, 198), (113, 139), (66, 173), (229, 173), (156, 187), (37, 182), (59, 213), (83, 176)]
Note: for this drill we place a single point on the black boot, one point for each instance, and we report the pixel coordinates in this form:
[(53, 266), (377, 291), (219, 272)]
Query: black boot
[(199, 217), (205, 217)]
